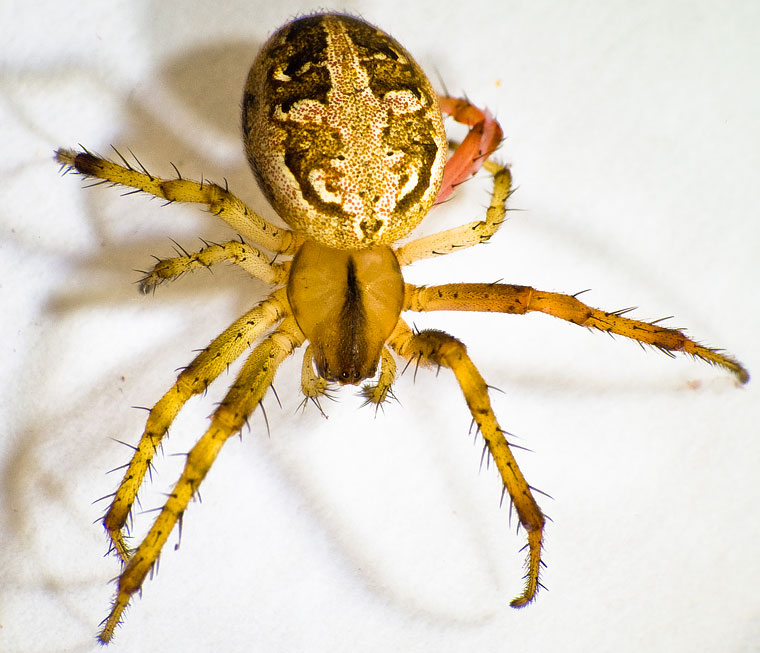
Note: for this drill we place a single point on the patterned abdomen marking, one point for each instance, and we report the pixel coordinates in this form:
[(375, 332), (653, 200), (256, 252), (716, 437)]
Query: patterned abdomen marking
[(343, 131)]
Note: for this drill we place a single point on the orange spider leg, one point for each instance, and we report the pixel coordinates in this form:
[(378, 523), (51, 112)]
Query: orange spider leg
[(507, 298), (484, 137), (194, 379), (245, 395), (437, 348)]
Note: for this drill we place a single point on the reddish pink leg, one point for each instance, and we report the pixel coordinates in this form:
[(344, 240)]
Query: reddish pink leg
[(483, 138)]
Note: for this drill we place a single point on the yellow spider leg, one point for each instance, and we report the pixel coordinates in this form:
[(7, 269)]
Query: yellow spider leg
[(377, 393), (253, 381), (313, 386), (252, 260), (507, 298), (438, 348), (466, 235), (219, 200), (194, 379)]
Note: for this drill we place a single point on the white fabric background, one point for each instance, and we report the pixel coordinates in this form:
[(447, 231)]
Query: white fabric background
[(633, 135)]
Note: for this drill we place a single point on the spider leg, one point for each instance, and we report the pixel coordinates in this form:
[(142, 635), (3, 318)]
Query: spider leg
[(466, 235), (481, 141), (194, 379), (252, 260), (484, 137), (507, 298), (250, 386), (377, 393), (313, 386), (440, 349), (219, 200)]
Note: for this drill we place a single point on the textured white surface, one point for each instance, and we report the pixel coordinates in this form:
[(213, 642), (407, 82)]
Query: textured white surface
[(633, 135)]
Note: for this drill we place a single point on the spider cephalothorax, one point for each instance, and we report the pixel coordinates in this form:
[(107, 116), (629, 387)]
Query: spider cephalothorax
[(345, 136)]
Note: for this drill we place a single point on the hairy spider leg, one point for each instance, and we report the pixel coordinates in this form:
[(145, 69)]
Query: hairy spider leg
[(313, 386), (377, 393), (193, 380), (244, 396), (466, 235), (252, 260), (220, 201), (436, 348), (518, 300), (484, 137), (225, 348)]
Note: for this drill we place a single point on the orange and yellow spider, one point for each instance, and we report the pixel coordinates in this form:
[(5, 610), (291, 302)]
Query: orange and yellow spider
[(345, 136)]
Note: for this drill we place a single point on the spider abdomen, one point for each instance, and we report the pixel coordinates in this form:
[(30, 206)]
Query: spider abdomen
[(343, 131)]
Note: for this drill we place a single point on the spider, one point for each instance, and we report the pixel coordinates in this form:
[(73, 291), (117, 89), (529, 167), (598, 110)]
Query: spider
[(345, 136)]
